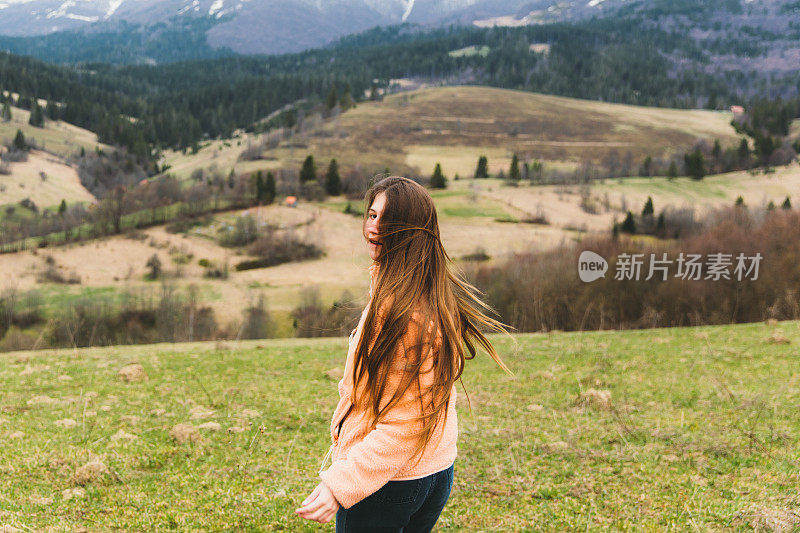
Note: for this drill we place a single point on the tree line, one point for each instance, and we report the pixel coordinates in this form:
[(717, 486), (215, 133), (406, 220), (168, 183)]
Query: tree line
[(146, 108)]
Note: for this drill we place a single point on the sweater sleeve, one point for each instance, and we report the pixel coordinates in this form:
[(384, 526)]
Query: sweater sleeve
[(376, 459)]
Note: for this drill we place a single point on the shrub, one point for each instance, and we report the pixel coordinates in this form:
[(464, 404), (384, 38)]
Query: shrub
[(349, 209), (139, 318), (542, 291), (154, 264), (478, 255), (213, 270), (14, 155), (16, 339), (183, 225), (312, 319), (312, 191), (258, 323), (243, 232), (52, 274), (355, 183), (274, 249)]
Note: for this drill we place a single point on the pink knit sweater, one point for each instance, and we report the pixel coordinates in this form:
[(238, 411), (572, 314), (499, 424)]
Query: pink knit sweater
[(364, 460)]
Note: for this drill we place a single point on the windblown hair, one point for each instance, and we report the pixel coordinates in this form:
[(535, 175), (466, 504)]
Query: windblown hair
[(414, 274)]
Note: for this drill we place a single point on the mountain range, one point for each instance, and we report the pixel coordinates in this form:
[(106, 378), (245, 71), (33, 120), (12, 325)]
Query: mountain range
[(752, 34), (277, 26)]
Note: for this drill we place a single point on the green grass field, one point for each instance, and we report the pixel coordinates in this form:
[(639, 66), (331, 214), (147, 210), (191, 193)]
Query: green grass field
[(700, 432)]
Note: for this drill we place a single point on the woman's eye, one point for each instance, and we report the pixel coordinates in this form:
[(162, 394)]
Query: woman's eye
[(372, 215)]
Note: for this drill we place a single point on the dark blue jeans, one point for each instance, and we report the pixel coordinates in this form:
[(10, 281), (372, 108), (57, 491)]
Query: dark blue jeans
[(411, 506)]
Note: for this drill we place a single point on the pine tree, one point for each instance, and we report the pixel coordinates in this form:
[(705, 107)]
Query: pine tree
[(695, 164), (771, 206), (260, 187), (438, 181), (5, 114), (536, 170), (62, 208), (154, 264), (672, 173), (19, 141), (346, 101), (269, 188), (661, 224), (787, 204), (333, 183), (629, 224), (513, 173), (739, 202), (309, 170), (52, 110), (37, 117), (332, 99), (744, 152), (231, 179), (648, 207), (481, 171), (647, 166)]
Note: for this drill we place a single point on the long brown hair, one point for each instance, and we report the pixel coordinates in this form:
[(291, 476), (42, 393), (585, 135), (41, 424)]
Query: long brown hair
[(414, 275)]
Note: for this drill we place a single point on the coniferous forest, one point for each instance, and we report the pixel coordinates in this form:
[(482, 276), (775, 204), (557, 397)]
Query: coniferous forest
[(622, 59)]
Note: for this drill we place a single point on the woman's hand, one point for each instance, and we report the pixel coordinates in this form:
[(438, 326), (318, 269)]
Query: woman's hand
[(321, 505)]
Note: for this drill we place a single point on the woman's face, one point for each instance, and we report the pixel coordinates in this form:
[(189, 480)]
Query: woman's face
[(373, 223)]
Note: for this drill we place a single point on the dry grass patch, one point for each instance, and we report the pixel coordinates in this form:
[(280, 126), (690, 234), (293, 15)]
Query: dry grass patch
[(133, 372), (771, 519), (44, 179), (183, 433), (91, 472), (778, 337), (596, 398)]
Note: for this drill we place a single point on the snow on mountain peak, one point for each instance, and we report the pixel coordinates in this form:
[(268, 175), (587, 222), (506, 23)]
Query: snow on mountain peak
[(409, 7), (113, 5), (216, 6)]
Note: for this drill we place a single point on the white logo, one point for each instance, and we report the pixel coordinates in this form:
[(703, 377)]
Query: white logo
[(591, 266)]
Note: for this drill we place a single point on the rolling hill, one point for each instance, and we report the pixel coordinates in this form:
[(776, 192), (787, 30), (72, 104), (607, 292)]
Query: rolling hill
[(411, 131), (46, 177)]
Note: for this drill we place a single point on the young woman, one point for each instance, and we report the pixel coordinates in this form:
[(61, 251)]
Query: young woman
[(395, 428)]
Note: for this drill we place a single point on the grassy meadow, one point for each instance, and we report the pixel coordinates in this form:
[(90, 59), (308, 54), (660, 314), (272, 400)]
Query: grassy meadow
[(46, 177), (410, 132), (649, 430), (455, 125), (57, 137), (474, 215)]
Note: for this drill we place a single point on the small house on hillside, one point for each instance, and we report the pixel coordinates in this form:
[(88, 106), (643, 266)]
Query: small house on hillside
[(291, 201), (737, 109)]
